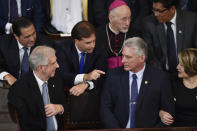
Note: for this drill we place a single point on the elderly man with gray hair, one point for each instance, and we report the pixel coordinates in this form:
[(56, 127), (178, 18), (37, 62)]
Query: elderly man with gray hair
[(38, 97), (134, 94)]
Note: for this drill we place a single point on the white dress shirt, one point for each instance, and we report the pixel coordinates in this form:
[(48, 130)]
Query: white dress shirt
[(40, 83), (79, 77)]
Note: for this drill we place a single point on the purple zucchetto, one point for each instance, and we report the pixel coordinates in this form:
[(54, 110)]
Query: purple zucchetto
[(116, 3)]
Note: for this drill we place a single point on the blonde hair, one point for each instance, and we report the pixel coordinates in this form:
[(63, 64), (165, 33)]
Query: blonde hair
[(188, 59)]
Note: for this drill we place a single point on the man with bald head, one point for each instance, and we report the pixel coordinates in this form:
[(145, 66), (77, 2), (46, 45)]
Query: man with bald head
[(111, 36)]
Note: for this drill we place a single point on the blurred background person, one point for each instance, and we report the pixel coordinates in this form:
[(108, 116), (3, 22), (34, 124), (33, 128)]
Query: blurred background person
[(62, 15), (12, 9), (185, 91)]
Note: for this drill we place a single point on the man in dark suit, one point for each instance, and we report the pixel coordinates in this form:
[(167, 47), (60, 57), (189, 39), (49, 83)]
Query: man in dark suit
[(31, 9), (11, 48), (183, 26), (39, 96), (134, 94), (83, 84)]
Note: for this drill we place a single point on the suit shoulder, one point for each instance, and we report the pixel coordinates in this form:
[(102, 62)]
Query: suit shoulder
[(6, 39), (115, 71), (157, 72), (63, 47), (150, 19), (42, 39)]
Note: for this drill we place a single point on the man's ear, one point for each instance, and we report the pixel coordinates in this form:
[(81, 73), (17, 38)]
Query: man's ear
[(143, 58), (16, 37), (40, 68), (110, 17)]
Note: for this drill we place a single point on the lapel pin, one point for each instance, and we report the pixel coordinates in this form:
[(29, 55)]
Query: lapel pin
[(174, 99), (146, 82), (53, 86), (180, 31)]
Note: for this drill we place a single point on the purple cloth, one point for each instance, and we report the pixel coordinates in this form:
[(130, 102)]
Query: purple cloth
[(114, 62), (116, 3)]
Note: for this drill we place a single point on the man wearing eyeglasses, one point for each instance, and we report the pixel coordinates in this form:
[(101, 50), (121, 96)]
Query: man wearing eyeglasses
[(168, 31)]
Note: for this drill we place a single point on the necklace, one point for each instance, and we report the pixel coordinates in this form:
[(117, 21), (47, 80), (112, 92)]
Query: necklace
[(110, 43)]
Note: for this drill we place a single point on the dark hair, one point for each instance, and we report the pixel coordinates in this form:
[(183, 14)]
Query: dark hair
[(19, 23), (82, 29), (188, 59), (167, 3)]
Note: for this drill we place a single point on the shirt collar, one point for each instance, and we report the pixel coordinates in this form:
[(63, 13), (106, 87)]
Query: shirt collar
[(20, 46), (173, 20), (116, 33), (139, 73), (39, 81), (78, 51)]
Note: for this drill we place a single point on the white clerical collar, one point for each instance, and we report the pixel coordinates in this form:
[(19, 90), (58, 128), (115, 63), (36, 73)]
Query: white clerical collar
[(115, 32)]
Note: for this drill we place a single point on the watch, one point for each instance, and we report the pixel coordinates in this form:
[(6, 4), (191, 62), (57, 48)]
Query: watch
[(87, 84)]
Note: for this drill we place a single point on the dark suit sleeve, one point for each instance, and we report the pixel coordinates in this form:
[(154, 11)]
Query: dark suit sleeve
[(16, 101), (2, 59), (44, 40), (167, 101), (107, 105), (66, 69), (38, 15)]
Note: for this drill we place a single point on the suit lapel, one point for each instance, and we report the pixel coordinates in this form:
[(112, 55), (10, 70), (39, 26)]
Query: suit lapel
[(88, 60), (162, 38), (33, 85), (75, 57), (51, 87), (35, 90), (124, 79), (145, 85), (23, 3), (179, 31), (15, 59)]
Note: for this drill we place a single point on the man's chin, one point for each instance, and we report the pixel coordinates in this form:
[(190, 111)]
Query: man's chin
[(89, 51), (124, 31), (126, 69)]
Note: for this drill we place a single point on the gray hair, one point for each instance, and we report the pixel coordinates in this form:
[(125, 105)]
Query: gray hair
[(138, 45), (40, 56)]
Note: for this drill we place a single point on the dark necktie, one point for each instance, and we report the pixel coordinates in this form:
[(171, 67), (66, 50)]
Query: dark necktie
[(81, 65), (13, 10), (171, 49), (133, 100), (25, 62), (49, 120)]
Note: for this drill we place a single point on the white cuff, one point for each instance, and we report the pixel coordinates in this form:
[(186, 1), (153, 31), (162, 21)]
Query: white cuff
[(8, 27), (91, 85), (78, 79), (2, 74)]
